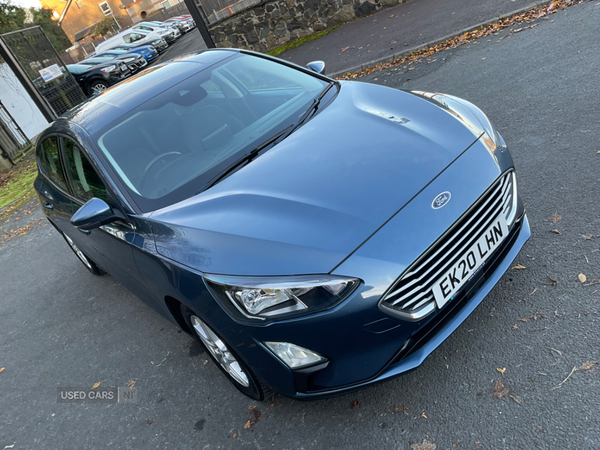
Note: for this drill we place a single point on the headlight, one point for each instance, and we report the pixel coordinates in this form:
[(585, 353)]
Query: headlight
[(151, 49), (109, 69), (128, 60), (267, 297)]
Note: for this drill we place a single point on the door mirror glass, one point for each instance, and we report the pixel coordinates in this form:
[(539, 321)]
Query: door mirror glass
[(317, 66), (93, 214)]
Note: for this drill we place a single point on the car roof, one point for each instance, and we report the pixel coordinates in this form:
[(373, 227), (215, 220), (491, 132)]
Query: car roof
[(99, 111)]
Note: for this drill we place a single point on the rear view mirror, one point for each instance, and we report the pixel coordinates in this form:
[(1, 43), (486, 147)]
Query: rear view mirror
[(93, 214), (317, 66)]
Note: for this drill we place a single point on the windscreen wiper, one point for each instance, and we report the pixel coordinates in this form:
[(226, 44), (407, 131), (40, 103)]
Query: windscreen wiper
[(250, 156), (315, 104)]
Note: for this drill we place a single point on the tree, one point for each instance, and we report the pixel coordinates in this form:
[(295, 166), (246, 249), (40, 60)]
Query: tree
[(56, 35), (105, 26), (14, 18)]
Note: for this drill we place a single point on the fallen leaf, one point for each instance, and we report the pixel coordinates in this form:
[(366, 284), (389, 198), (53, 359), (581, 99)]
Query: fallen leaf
[(131, 383), (552, 280), (514, 327), (234, 435), (355, 404), (425, 445), (500, 390), (588, 365), (556, 232), (393, 16), (1, 369), (515, 398), (555, 218), (536, 316), (256, 413), (97, 384), (518, 267), (149, 421), (423, 415), (502, 370), (248, 424), (582, 278), (483, 59), (587, 237), (456, 444)]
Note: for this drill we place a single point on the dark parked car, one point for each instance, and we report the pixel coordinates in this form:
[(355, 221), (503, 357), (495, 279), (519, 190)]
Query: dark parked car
[(134, 61), (97, 78), (148, 52), (316, 236)]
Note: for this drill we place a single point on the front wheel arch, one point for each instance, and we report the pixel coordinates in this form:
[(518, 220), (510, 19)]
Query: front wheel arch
[(174, 307)]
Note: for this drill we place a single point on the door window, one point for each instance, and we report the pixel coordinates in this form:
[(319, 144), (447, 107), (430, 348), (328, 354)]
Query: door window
[(85, 181), (49, 160)]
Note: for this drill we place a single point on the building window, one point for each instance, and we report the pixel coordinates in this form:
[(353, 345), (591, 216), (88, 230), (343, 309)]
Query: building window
[(105, 7), (166, 4), (80, 4)]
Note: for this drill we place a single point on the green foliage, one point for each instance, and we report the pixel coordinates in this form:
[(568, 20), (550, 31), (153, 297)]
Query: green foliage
[(105, 26), (14, 18), (18, 182)]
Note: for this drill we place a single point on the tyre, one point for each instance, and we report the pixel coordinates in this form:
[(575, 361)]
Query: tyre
[(87, 262), (238, 373), (97, 85)]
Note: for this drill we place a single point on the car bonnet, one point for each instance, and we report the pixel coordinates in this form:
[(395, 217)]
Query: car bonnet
[(311, 200)]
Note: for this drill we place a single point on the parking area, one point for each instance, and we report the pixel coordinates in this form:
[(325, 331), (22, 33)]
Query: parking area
[(520, 372), (189, 42)]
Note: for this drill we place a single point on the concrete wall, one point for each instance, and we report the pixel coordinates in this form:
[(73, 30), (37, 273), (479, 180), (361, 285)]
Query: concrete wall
[(273, 23)]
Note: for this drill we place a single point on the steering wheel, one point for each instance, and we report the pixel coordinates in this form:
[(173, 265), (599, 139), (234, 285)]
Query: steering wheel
[(153, 161)]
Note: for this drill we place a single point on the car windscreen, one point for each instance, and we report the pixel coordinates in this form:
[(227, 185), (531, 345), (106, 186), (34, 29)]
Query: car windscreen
[(172, 146), (78, 68)]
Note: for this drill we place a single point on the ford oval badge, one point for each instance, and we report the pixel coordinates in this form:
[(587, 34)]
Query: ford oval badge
[(441, 200)]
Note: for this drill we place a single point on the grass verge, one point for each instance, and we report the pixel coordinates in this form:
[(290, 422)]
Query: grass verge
[(18, 181), (298, 42)]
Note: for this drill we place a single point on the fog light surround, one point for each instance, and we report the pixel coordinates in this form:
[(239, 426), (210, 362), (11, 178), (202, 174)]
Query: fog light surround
[(294, 356)]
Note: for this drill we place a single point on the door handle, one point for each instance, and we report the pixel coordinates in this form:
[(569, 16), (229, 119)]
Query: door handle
[(85, 231), (48, 205)]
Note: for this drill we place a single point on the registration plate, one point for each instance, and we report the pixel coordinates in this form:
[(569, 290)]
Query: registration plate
[(462, 271)]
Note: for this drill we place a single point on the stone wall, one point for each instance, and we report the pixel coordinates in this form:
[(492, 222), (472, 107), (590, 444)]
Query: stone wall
[(273, 23)]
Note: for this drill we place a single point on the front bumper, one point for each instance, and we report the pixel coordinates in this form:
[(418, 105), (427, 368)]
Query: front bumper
[(364, 344)]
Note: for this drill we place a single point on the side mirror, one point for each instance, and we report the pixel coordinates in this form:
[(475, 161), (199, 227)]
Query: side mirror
[(317, 66), (93, 214)]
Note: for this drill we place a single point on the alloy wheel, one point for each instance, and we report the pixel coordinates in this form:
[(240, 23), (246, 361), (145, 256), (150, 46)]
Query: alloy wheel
[(219, 351)]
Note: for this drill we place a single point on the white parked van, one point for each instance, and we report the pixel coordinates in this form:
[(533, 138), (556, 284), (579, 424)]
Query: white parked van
[(130, 36)]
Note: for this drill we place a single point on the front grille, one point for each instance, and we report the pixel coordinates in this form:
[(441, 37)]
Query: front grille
[(411, 296)]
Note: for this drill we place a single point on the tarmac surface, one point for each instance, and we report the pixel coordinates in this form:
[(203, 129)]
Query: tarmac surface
[(398, 29), (63, 327)]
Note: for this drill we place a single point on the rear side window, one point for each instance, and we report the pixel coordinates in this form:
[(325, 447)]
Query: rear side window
[(85, 181), (49, 160)]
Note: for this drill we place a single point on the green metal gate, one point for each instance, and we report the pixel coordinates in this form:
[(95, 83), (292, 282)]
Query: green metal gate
[(41, 63)]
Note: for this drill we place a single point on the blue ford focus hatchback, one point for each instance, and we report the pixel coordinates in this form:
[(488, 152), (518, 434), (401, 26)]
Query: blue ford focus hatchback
[(315, 236)]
